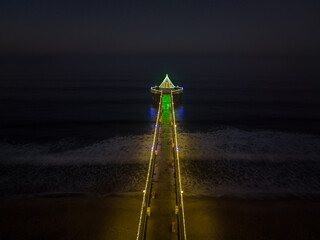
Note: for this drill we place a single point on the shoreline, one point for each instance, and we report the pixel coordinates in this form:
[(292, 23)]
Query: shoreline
[(294, 219), (75, 216), (70, 217)]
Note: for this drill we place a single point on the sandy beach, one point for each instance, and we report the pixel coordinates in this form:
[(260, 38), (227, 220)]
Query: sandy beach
[(70, 217), (116, 217), (208, 218)]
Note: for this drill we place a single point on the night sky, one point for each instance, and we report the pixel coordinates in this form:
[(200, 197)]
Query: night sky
[(160, 27)]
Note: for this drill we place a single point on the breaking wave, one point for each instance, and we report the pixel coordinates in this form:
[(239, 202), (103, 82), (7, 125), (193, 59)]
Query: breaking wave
[(114, 166), (246, 164), (225, 162), (238, 145), (118, 150)]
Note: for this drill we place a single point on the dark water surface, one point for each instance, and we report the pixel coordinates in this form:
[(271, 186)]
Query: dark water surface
[(57, 104), (54, 97)]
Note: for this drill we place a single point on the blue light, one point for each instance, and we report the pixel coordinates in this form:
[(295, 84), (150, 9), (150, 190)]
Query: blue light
[(152, 113), (151, 148)]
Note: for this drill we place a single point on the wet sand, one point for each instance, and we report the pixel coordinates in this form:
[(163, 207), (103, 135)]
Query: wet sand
[(209, 218), (116, 217), (73, 217)]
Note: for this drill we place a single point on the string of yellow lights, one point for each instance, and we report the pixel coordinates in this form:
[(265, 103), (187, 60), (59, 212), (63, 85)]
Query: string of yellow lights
[(178, 174), (145, 198)]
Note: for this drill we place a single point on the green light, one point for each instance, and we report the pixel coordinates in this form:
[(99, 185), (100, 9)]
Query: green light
[(166, 103)]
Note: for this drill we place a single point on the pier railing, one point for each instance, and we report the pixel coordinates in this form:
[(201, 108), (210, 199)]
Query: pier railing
[(147, 190), (179, 192)]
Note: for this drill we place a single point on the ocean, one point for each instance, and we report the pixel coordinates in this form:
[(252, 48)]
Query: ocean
[(248, 126)]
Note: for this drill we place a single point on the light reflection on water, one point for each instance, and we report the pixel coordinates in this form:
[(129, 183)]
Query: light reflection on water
[(180, 113), (152, 115)]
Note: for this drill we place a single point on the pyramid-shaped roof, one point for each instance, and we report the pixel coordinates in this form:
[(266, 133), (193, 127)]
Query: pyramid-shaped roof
[(166, 83)]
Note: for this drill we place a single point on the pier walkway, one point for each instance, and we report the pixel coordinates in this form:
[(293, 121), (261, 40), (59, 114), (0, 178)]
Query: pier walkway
[(162, 210), (163, 201)]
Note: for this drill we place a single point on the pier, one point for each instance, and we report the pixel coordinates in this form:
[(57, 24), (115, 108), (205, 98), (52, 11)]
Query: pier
[(162, 209)]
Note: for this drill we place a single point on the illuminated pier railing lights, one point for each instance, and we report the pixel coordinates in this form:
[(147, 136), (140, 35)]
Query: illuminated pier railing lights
[(168, 105), (178, 177), (145, 198)]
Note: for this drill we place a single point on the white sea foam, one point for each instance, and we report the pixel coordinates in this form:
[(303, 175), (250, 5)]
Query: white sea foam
[(233, 162), (239, 145), (218, 163), (118, 150), (225, 144)]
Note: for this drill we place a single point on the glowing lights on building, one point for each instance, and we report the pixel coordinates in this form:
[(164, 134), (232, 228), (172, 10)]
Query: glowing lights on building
[(167, 87), (166, 83)]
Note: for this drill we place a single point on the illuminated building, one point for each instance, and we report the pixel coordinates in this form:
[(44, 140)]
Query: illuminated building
[(166, 87)]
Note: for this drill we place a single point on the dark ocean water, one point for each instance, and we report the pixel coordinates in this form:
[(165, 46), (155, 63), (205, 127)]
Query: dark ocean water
[(63, 117)]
